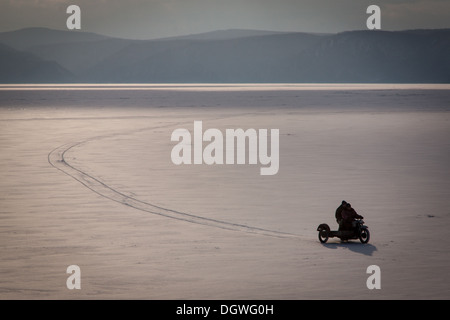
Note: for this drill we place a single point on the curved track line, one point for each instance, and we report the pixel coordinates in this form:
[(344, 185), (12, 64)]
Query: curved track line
[(56, 159)]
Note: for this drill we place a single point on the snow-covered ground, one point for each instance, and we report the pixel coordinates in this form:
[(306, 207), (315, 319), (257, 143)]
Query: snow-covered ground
[(139, 226)]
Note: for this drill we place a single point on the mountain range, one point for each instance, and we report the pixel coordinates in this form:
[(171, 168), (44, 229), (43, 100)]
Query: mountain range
[(40, 55)]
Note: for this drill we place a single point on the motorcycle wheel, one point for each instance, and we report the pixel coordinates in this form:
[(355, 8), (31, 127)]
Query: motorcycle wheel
[(364, 236), (323, 236)]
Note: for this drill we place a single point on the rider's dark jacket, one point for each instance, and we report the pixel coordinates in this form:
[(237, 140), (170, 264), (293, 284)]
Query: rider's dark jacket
[(338, 214)]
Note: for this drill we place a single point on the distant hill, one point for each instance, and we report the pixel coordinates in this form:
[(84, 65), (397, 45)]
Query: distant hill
[(79, 57), (24, 67), (379, 56), (412, 56), (248, 59)]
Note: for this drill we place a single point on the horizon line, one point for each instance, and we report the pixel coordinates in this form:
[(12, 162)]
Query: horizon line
[(223, 86)]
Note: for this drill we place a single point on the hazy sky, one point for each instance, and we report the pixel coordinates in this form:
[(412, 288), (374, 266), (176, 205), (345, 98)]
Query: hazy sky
[(147, 19)]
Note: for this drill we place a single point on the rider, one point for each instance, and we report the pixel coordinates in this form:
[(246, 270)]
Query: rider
[(348, 216), (339, 210)]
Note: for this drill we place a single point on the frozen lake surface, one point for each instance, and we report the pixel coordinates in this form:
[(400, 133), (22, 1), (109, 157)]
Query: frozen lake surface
[(87, 179)]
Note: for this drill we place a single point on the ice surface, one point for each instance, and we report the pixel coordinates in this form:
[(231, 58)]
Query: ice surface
[(141, 227)]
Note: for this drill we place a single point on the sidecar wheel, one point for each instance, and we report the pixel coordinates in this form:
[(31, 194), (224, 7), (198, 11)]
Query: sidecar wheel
[(323, 235), (364, 236)]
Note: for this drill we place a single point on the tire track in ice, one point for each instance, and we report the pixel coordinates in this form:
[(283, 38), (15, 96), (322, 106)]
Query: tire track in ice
[(56, 158)]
